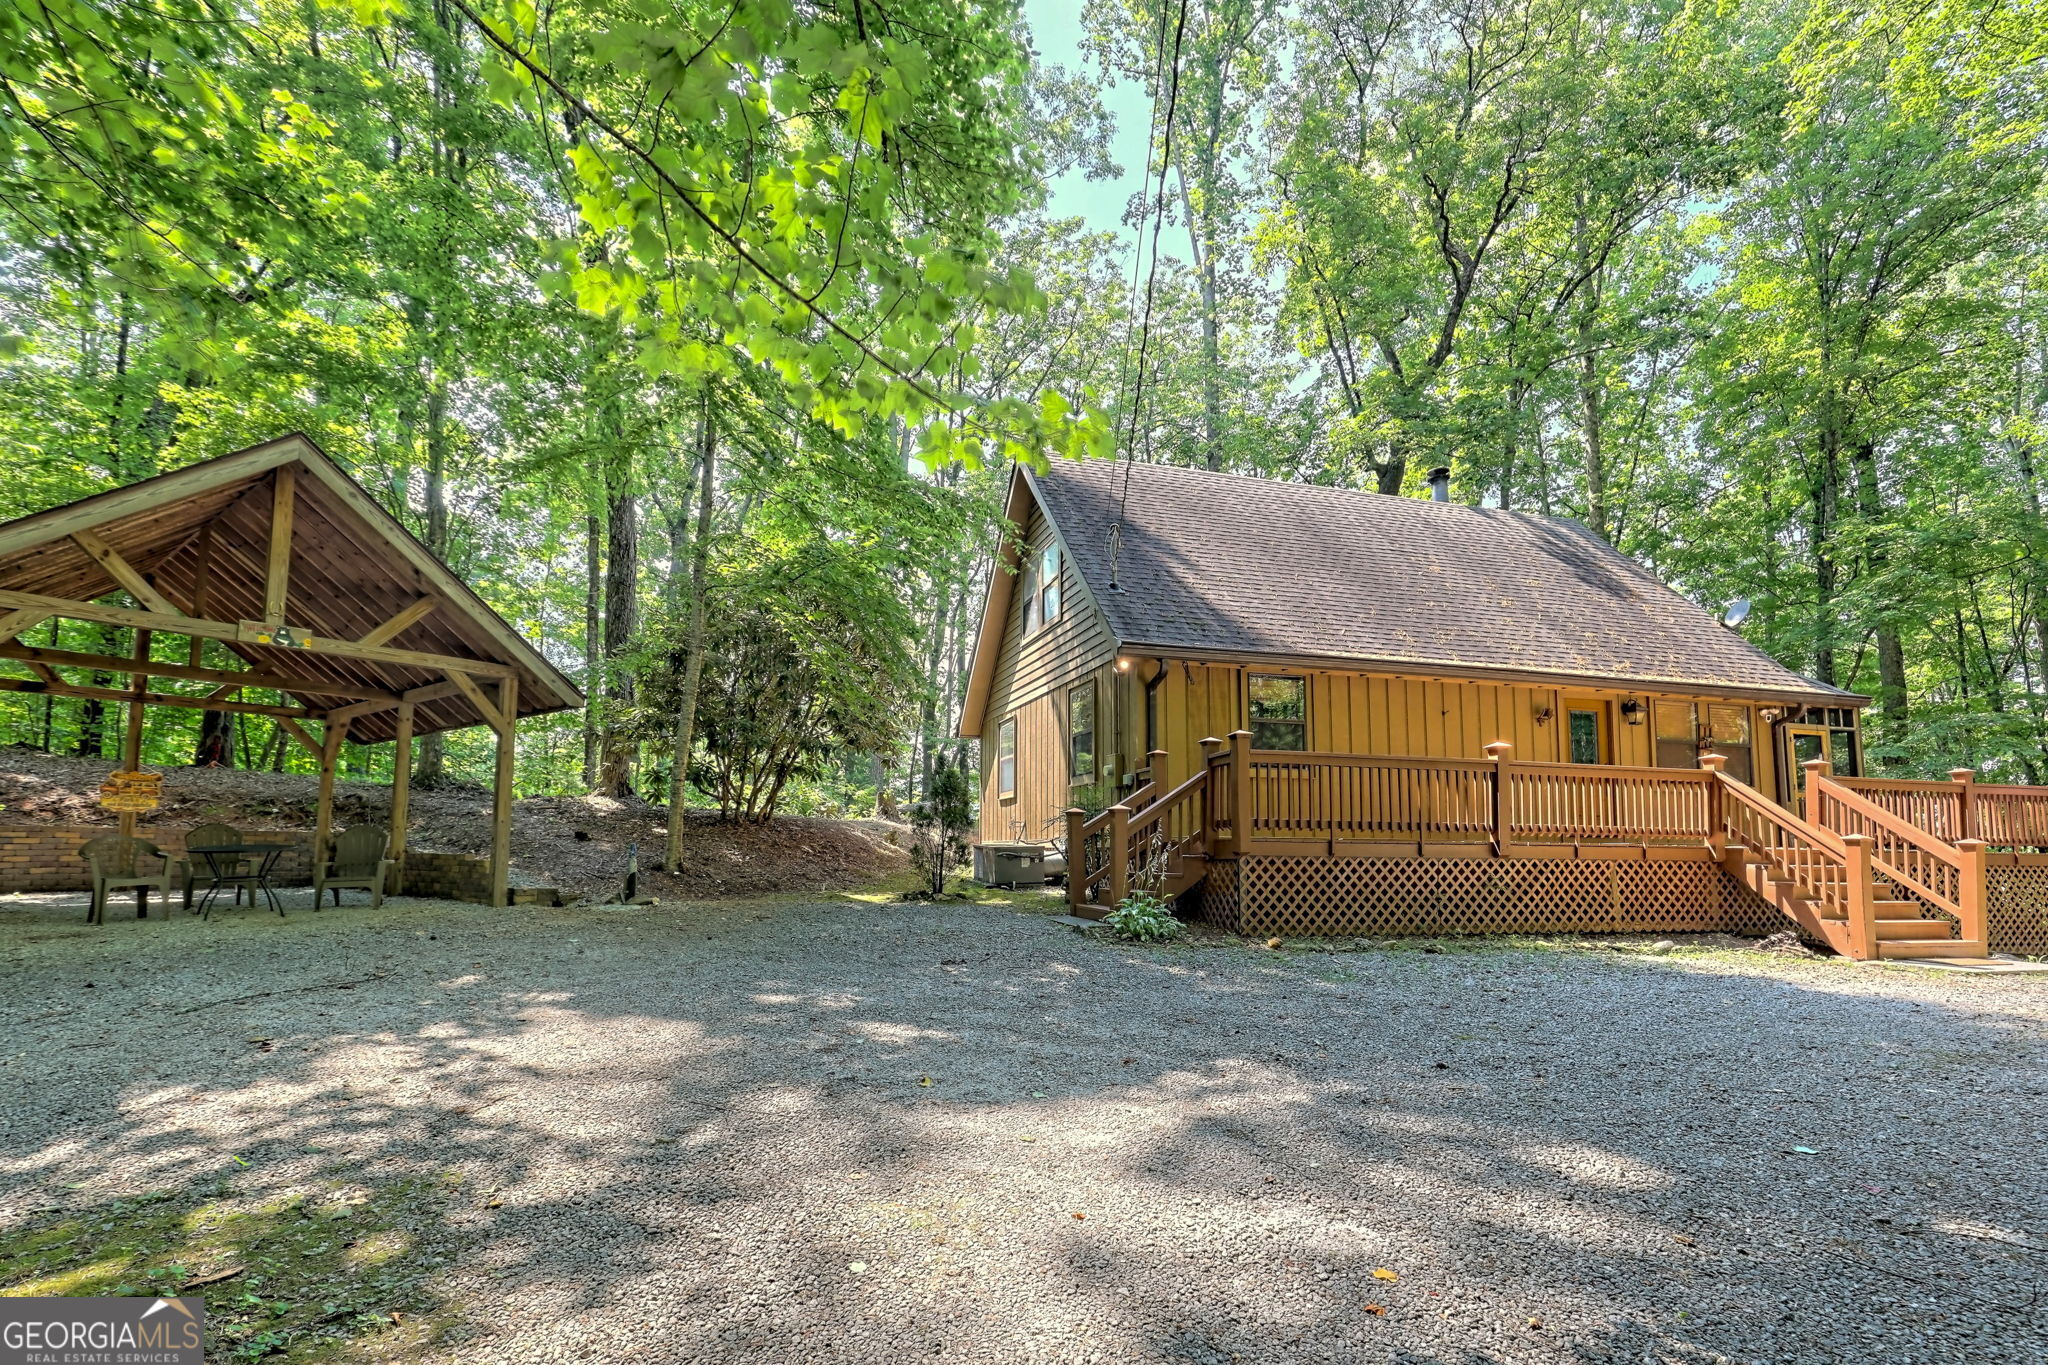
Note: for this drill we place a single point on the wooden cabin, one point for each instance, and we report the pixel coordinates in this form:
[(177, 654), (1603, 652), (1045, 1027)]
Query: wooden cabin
[(1407, 691)]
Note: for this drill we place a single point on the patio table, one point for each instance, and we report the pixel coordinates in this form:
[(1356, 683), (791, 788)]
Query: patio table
[(220, 858)]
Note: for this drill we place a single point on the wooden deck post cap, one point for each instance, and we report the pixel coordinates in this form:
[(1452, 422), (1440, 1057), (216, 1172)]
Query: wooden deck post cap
[(1497, 750), (1819, 765), (1713, 763), (1972, 845), (1962, 774)]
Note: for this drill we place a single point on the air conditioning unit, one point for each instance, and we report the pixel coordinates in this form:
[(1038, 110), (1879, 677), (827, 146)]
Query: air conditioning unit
[(1012, 864)]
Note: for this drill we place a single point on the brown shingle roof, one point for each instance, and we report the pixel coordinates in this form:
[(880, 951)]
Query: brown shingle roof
[(1228, 565)]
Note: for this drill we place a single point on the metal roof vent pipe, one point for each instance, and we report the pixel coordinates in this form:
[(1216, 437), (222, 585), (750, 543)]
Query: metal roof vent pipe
[(1440, 483)]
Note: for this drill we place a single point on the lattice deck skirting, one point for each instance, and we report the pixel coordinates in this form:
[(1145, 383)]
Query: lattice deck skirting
[(2016, 906), (1318, 897)]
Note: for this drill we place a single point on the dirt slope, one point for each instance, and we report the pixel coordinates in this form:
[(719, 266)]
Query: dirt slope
[(576, 843)]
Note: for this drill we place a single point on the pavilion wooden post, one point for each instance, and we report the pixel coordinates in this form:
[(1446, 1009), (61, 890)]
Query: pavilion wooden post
[(401, 794), (277, 575), (1966, 802), (501, 790), (1241, 791), (131, 761), (323, 813), (1498, 751)]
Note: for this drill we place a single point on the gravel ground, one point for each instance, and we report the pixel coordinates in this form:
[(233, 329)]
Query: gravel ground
[(853, 1132)]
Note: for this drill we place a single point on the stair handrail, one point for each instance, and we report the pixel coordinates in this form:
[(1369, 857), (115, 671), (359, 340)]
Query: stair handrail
[(1839, 876), (1948, 876), (1142, 807)]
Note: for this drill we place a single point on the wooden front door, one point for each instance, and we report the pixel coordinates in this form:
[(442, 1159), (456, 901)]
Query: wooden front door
[(1801, 745)]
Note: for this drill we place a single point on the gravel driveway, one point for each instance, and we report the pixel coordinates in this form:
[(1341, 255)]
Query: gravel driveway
[(853, 1133)]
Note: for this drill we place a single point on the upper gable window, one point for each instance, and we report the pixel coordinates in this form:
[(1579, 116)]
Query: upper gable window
[(1042, 589)]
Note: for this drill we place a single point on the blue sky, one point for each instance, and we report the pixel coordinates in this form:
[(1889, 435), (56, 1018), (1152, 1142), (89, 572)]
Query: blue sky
[(1056, 33)]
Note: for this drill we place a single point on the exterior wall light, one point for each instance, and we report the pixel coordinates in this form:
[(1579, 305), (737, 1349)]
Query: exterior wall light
[(1632, 709)]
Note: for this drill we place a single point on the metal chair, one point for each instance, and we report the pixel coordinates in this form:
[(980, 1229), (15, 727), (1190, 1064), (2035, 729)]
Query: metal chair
[(230, 870), (114, 862), (357, 860)]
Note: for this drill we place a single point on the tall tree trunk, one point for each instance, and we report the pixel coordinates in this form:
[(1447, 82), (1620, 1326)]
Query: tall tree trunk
[(215, 748), (1891, 648), (1592, 414), (593, 643), (431, 768), (1826, 497), (1202, 241), (683, 738), (621, 623)]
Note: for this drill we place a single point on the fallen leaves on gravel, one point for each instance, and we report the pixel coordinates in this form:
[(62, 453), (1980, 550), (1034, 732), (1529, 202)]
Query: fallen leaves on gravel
[(1378, 1310), (1382, 1273)]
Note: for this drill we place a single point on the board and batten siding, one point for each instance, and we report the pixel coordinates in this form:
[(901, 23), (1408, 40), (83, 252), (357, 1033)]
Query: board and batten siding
[(1030, 683), (1371, 713)]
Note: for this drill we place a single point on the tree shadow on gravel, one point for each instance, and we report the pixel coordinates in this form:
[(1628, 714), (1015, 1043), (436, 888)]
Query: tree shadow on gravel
[(849, 1132)]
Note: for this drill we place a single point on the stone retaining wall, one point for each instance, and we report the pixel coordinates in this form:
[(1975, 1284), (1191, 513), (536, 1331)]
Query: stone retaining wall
[(45, 857)]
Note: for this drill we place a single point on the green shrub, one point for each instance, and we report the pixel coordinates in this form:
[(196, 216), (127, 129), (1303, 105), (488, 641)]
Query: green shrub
[(1144, 917)]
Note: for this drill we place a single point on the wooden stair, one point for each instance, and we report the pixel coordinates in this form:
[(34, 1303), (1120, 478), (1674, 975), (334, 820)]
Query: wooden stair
[(1900, 927), (1184, 872)]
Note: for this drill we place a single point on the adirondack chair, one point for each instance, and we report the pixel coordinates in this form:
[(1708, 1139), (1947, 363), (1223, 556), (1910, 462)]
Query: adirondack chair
[(117, 865), (357, 860), (232, 870)]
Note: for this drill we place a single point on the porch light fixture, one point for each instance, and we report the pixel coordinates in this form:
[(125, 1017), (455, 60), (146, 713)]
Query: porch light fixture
[(1542, 713), (1632, 710), (1770, 715)]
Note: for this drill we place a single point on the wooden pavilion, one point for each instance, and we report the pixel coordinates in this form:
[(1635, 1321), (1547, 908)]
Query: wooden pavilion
[(278, 554)]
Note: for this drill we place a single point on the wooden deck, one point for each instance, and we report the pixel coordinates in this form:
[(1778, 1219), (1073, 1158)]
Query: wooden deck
[(1872, 868)]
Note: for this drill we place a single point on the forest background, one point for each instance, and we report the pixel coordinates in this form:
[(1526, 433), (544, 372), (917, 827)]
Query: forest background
[(700, 337)]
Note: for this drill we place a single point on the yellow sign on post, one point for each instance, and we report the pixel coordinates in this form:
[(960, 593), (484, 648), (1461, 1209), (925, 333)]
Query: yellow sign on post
[(132, 791)]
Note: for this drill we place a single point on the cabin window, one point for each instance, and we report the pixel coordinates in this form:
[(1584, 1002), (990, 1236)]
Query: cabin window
[(1842, 753), (1678, 734), (1845, 758), (1048, 580), (1030, 586), (1586, 733), (1279, 712), (1728, 732), (1081, 733), (1006, 759)]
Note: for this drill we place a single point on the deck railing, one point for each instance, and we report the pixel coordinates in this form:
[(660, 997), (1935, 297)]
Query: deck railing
[(2005, 817), (1362, 799)]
